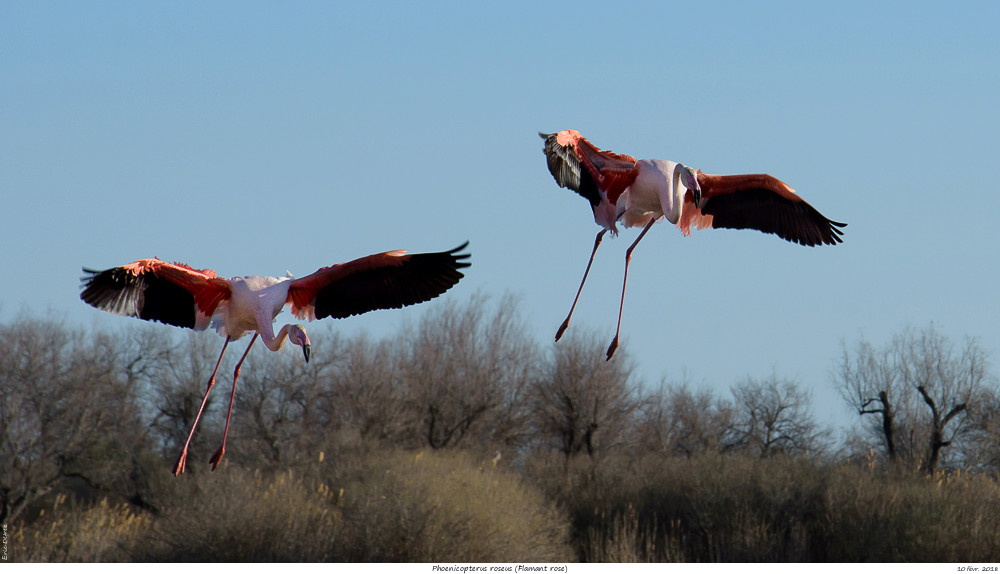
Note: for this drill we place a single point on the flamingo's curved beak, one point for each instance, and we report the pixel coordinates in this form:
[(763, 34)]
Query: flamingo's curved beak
[(690, 179), (305, 351)]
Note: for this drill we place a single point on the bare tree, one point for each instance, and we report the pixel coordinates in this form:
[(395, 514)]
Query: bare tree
[(947, 384), (67, 411), (980, 447), (465, 370), (869, 381), (677, 421), (368, 400), (143, 353), (284, 411), (176, 391), (773, 416), (920, 388), (583, 403), (274, 414)]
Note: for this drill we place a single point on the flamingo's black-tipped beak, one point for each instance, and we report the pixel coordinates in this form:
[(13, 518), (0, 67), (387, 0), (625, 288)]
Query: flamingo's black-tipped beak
[(305, 351), (689, 177)]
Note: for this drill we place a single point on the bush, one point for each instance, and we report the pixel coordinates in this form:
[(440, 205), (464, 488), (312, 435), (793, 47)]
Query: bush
[(739, 509), (381, 507), (236, 515), (101, 533), (435, 506)]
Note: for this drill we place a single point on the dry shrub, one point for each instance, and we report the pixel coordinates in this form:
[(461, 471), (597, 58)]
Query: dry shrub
[(433, 506), (896, 515), (101, 533), (381, 507), (739, 509), (449, 507), (235, 515)]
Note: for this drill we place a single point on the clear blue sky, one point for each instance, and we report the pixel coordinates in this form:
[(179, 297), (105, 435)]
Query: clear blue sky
[(260, 137)]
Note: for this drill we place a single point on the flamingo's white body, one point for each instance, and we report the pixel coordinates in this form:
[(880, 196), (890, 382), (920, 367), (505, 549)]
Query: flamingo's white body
[(653, 194), (253, 304)]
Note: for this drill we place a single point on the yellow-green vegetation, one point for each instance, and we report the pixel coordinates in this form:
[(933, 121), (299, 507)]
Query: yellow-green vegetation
[(64, 533), (428, 506), (431, 506), (385, 506)]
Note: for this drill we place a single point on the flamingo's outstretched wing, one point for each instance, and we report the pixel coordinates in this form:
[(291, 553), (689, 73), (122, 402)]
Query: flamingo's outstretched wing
[(765, 203), (155, 290), (382, 281), (577, 164)]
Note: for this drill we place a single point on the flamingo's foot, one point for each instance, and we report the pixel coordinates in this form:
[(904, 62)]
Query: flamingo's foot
[(217, 457), (181, 463), (562, 329), (612, 348)]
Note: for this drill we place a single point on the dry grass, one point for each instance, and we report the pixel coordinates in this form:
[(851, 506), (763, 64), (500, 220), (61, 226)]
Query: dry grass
[(101, 533), (902, 516), (383, 507), (735, 509), (236, 515), (431, 506)]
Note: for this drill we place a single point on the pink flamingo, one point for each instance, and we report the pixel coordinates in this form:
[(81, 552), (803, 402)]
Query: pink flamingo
[(638, 193), (177, 294)]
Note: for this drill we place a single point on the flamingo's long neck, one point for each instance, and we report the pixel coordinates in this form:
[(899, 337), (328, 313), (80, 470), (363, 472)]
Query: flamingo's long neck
[(274, 342)]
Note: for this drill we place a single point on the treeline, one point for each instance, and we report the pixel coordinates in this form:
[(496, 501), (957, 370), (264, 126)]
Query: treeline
[(413, 446)]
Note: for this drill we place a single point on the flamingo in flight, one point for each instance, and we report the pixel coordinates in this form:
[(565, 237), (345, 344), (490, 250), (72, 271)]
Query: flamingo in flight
[(641, 192), (177, 294)]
